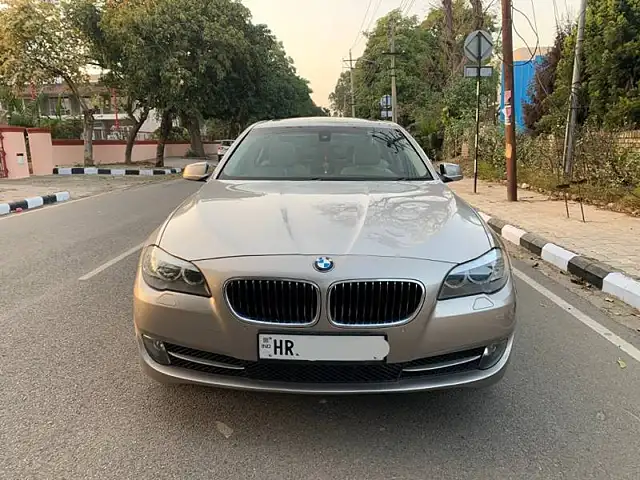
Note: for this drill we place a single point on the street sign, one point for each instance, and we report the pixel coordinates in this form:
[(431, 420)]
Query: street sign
[(478, 46), (386, 114), (385, 102), (471, 71)]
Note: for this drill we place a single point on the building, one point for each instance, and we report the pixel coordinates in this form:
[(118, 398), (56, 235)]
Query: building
[(524, 68), (55, 100)]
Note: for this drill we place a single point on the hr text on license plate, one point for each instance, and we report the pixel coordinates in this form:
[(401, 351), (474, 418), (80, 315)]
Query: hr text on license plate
[(318, 348)]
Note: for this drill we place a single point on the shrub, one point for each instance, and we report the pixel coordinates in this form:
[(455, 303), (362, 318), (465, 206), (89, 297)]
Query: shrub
[(71, 128)]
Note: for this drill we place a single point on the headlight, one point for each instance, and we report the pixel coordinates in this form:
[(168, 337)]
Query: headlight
[(486, 274), (166, 272)]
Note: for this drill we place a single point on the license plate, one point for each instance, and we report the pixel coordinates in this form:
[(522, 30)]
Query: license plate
[(323, 348)]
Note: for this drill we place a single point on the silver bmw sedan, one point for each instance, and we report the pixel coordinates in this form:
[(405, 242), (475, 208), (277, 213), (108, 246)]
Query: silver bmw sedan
[(326, 256)]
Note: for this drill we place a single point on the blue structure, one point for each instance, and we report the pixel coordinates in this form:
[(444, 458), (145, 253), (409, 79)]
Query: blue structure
[(523, 76)]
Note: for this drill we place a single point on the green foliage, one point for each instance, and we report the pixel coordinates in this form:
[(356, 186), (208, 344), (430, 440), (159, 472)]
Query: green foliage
[(194, 59), (436, 105), (544, 84), (609, 96), (176, 134), (63, 129)]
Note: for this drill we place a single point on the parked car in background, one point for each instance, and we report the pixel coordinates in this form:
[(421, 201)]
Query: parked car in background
[(223, 146), (325, 255)]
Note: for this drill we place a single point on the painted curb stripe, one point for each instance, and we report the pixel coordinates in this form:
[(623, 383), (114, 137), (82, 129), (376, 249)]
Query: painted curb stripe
[(114, 171), (33, 202), (592, 271)]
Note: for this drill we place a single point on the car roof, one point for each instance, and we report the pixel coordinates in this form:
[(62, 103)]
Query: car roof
[(325, 121)]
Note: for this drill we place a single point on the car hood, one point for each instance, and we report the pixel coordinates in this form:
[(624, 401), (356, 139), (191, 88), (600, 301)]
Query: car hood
[(391, 219)]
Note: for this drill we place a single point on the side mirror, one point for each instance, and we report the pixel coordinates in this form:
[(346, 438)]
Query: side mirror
[(450, 172), (197, 172)]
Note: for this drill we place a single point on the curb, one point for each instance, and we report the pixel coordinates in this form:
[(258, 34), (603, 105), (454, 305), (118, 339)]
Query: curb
[(602, 276), (33, 202), (114, 171)]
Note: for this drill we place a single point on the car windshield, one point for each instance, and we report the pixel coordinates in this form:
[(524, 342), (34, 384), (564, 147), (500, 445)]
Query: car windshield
[(325, 153)]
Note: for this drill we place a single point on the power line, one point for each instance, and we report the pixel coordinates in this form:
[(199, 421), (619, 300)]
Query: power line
[(535, 31), (555, 13), (373, 15), (408, 7), (364, 19)]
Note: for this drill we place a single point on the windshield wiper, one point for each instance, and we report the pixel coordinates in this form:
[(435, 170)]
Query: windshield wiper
[(408, 179)]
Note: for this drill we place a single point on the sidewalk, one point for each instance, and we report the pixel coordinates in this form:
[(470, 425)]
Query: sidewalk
[(77, 185), (609, 237)]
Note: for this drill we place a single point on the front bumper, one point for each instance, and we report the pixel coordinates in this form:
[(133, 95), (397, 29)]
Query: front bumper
[(207, 326), (472, 378)]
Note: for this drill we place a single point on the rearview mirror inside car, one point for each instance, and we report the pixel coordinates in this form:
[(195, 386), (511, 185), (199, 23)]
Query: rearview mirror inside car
[(197, 172)]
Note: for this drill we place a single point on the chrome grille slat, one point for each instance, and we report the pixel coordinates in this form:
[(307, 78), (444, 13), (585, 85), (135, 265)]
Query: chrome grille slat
[(273, 301), (442, 364), (374, 302)]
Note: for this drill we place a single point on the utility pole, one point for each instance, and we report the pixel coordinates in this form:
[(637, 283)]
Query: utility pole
[(353, 95), (569, 138), (509, 125), (392, 52)]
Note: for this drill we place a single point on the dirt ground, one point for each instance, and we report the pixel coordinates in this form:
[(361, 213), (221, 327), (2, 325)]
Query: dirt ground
[(78, 186)]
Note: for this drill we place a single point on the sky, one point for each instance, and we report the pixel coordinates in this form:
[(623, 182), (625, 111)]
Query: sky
[(318, 34)]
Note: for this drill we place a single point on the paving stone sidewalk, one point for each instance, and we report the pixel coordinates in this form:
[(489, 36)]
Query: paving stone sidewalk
[(610, 237)]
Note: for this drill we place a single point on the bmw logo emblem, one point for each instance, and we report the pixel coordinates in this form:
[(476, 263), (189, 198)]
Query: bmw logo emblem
[(323, 264)]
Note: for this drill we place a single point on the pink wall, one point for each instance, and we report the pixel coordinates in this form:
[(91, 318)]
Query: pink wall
[(176, 149), (211, 148), (41, 151), (14, 144), (70, 152)]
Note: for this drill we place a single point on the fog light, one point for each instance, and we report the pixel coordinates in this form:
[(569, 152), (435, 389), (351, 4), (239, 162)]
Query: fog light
[(155, 349), (492, 354)]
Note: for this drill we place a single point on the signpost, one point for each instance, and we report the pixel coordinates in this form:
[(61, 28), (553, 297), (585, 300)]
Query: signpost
[(478, 47), (386, 107)]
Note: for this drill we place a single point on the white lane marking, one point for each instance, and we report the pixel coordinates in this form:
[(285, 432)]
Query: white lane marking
[(557, 256), (601, 330), (111, 262)]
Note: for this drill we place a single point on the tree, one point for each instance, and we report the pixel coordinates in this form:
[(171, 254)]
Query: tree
[(544, 83), (433, 97), (609, 96), (169, 55), (115, 58), (262, 84), (39, 44), (340, 98)]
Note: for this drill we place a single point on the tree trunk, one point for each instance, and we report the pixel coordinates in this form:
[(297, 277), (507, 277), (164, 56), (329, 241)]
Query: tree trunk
[(133, 133), (87, 136), (197, 146), (165, 129), (478, 21)]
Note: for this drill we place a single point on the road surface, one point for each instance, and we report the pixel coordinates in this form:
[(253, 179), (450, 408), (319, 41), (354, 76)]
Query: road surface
[(74, 404)]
